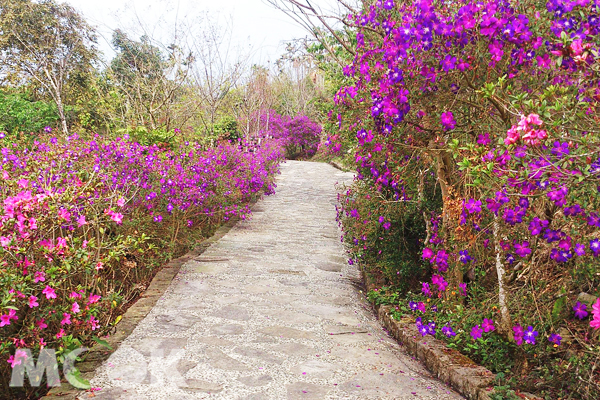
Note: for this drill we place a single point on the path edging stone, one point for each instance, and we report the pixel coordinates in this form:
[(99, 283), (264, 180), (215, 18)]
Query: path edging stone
[(97, 354), (449, 365)]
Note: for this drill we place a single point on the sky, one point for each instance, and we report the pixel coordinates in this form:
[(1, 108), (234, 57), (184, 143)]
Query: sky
[(258, 29)]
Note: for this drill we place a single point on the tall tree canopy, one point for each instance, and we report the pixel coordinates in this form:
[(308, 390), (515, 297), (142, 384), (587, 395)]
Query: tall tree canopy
[(46, 46)]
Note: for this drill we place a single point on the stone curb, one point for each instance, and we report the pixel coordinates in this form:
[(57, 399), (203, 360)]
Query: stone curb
[(450, 366), (95, 356)]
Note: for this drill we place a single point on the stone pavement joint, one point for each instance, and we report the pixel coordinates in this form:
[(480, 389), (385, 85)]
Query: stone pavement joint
[(268, 311)]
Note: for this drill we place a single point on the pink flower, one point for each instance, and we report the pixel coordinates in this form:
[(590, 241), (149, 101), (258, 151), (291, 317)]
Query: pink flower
[(33, 301), (39, 276), (533, 119), (74, 295), (81, 220), (99, 266), (60, 334), (23, 183), (117, 217), (61, 242), (75, 308), (94, 298), (49, 292), (94, 323), (42, 343), (121, 202), (4, 241), (32, 224), (64, 214), (18, 358), (4, 320), (512, 136), (595, 322), (42, 324), (66, 319)]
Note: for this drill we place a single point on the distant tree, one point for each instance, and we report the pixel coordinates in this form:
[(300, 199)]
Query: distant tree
[(149, 80), (47, 46)]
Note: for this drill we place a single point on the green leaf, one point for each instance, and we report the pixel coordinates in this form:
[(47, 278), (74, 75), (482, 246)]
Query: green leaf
[(558, 307), (101, 342), (74, 377)]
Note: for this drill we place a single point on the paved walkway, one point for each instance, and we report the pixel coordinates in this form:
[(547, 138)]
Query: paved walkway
[(268, 312)]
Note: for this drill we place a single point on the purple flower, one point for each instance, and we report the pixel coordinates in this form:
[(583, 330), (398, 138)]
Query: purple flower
[(412, 305), (530, 335), (580, 310), (579, 249), (448, 121), (488, 325), (555, 338), (473, 206), (447, 330), (522, 250), (439, 281), (448, 63), (464, 256), (595, 246), (518, 334), (381, 220), (559, 196), (593, 219), (463, 288), (476, 332), (484, 139), (431, 328), (425, 289), (387, 226)]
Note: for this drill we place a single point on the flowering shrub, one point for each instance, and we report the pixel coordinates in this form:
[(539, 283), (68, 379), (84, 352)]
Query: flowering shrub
[(84, 223), (300, 135), (480, 119)]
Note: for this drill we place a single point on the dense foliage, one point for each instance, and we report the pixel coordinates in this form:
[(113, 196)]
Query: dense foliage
[(477, 149), (84, 224)]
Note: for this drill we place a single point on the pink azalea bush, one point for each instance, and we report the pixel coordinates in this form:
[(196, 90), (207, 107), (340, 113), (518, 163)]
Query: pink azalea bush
[(84, 223), (477, 138)]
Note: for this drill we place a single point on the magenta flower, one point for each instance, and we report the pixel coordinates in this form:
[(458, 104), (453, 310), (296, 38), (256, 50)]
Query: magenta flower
[(462, 287), (448, 121), (427, 253), (33, 302), (75, 308), (425, 289), (522, 250), (66, 319), (488, 325), (518, 334), (39, 276), (595, 322), (476, 332), (49, 292)]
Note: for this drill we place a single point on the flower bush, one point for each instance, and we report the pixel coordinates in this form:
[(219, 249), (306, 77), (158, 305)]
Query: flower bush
[(300, 135), (475, 127), (84, 224)]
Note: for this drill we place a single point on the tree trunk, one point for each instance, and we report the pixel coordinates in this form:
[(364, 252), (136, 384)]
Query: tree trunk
[(505, 323)]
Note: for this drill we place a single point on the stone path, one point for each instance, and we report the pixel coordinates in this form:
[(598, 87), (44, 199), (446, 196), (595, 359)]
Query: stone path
[(268, 312)]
